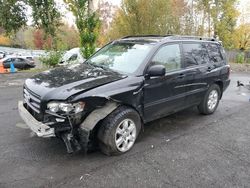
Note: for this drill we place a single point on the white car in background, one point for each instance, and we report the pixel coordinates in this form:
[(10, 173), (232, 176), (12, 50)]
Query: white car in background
[(2, 54), (72, 56)]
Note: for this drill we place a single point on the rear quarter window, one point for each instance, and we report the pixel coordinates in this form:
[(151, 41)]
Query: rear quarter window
[(195, 54)]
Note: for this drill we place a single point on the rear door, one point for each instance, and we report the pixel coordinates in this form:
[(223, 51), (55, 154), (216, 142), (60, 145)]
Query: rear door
[(19, 63), (219, 70), (196, 63), (166, 94)]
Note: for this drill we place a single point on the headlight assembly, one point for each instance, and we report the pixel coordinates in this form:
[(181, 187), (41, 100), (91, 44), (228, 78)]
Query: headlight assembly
[(53, 107), (66, 107)]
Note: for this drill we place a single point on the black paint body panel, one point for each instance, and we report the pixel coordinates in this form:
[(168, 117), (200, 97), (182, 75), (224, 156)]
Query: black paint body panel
[(152, 97)]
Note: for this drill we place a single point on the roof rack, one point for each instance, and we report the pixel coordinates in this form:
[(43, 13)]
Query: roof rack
[(131, 36), (192, 37), (174, 37)]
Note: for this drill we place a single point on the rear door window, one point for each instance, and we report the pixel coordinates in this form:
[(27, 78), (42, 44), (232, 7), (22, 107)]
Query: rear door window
[(214, 53), (195, 54)]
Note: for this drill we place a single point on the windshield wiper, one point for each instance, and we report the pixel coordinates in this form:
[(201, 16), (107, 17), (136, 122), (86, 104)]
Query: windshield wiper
[(98, 66)]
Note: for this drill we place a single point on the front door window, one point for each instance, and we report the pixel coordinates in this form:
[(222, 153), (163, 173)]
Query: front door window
[(168, 56)]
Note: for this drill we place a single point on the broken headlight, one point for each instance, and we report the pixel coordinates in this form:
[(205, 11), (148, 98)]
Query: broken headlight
[(66, 107)]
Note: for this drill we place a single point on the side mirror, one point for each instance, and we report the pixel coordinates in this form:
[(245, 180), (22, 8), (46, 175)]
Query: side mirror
[(156, 70)]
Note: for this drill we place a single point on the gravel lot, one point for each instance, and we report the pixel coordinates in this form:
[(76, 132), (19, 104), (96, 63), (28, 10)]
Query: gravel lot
[(183, 150)]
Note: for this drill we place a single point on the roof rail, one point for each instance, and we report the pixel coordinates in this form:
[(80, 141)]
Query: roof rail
[(193, 37), (130, 36), (175, 37)]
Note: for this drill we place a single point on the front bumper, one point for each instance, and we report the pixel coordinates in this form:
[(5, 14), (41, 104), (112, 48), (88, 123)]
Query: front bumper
[(42, 130)]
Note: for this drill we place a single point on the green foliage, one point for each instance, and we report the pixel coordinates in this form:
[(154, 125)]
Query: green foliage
[(219, 16), (52, 59), (150, 17), (67, 37), (46, 16), (241, 37), (87, 23), (240, 58), (226, 22), (88, 36), (12, 15)]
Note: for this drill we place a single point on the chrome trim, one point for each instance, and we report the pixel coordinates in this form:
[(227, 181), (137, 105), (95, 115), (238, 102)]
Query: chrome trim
[(32, 100), (31, 106), (42, 130), (31, 96)]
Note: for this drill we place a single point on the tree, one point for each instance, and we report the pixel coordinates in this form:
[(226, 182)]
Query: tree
[(225, 18), (87, 24), (12, 15), (219, 19), (46, 16), (241, 37), (106, 11), (5, 41), (38, 39), (67, 36), (149, 17)]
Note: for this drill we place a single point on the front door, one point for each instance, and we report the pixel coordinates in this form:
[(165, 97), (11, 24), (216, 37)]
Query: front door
[(166, 94)]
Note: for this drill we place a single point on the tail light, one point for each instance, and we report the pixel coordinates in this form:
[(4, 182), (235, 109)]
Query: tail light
[(228, 70)]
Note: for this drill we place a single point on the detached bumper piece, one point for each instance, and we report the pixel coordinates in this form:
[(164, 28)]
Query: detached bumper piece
[(41, 130), (72, 145)]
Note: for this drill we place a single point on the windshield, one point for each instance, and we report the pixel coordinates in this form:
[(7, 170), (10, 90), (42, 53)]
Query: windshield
[(123, 57)]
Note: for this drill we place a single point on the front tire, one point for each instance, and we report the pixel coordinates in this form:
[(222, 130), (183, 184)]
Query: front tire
[(119, 130), (210, 101)]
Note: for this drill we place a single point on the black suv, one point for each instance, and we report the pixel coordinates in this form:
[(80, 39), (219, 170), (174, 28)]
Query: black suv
[(131, 81)]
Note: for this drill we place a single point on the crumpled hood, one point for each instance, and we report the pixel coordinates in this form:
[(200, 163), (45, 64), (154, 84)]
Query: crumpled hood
[(63, 82)]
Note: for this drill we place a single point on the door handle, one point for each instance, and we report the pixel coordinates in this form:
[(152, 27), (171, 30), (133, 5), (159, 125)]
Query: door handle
[(209, 69), (181, 76)]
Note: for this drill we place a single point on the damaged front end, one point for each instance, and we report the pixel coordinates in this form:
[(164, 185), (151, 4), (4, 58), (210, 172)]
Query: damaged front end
[(73, 111), (74, 123)]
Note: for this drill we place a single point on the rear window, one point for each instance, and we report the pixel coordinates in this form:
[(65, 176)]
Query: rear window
[(195, 54)]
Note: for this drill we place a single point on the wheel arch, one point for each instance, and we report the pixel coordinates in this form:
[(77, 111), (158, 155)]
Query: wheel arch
[(220, 84), (89, 127)]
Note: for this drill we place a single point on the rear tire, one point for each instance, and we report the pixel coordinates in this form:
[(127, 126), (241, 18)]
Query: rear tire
[(119, 130), (210, 101)]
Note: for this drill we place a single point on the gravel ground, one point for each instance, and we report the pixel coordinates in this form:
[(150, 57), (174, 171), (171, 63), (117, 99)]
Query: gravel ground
[(182, 150)]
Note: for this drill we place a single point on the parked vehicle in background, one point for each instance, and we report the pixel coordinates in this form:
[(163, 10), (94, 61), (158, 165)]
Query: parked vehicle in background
[(19, 62), (129, 82), (72, 56), (30, 58), (2, 54)]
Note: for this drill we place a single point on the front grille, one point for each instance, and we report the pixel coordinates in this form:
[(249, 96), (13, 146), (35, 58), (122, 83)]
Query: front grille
[(32, 100)]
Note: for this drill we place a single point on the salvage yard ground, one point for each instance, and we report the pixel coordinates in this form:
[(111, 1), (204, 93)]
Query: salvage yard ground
[(183, 150)]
